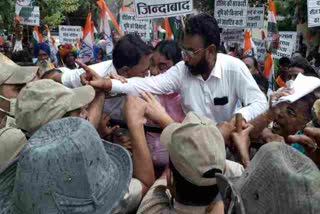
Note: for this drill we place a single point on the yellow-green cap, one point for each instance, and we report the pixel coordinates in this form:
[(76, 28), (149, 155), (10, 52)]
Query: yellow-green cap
[(45, 100), (12, 73), (195, 147), (12, 141)]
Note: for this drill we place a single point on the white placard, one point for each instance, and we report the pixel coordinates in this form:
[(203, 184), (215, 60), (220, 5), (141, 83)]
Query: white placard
[(313, 13), (261, 49), (255, 17), (232, 36), (69, 34), (287, 44), (231, 13), (34, 18), (146, 9), (22, 3), (129, 24)]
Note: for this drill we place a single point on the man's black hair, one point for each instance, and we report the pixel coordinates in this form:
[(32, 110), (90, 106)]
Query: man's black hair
[(205, 26), (262, 82), (22, 56), (170, 49), (284, 60), (309, 99), (129, 50), (49, 72), (301, 62), (190, 194)]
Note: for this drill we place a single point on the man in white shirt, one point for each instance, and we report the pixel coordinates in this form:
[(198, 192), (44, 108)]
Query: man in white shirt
[(210, 83), (130, 59)]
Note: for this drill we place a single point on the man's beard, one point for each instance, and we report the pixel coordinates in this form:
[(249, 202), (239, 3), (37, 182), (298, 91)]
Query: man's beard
[(200, 68), (44, 65)]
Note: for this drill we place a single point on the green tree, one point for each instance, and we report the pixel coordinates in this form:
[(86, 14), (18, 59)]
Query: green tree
[(7, 13), (54, 12)]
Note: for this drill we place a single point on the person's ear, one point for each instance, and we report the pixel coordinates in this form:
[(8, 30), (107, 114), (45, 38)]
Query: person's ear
[(211, 51), (124, 71)]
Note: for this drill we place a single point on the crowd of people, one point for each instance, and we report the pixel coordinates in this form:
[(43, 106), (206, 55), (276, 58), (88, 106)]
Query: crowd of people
[(175, 128)]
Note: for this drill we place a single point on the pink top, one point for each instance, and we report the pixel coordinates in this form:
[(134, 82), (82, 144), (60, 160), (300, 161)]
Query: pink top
[(171, 103)]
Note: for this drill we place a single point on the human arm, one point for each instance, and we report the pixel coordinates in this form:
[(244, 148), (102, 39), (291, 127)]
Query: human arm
[(72, 78), (134, 111), (103, 129), (155, 112), (95, 109), (165, 83), (96, 106), (226, 128), (310, 140), (241, 141), (248, 92)]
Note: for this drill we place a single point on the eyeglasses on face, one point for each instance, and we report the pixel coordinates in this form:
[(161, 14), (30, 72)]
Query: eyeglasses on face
[(190, 53)]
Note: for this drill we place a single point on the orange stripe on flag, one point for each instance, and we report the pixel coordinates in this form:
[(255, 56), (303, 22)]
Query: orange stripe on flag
[(272, 7), (39, 35), (247, 43), (87, 27), (268, 65)]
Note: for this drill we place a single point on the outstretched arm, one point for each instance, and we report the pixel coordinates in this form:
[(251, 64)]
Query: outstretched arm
[(134, 111), (165, 83)]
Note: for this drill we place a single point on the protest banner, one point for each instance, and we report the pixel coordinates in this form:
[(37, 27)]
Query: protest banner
[(231, 13), (69, 34), (23, 3), (255, 17), (232, 36), (313, 13), (129, 24), (146, 9), (287, 44), (33, 19), (261, 49)]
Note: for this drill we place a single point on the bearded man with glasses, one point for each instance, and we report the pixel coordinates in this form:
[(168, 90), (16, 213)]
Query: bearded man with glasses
[(210, 83)]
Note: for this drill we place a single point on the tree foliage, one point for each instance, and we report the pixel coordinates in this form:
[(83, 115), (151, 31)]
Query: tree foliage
[(7, 13), (54, 12)]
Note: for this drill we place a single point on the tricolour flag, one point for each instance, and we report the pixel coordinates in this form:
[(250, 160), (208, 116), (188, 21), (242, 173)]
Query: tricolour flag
[(249, 48), (52, 44), (273, 34), (166, 26), (37, 36), (105, 16), (176, 27), (268, 66), (86, 51)]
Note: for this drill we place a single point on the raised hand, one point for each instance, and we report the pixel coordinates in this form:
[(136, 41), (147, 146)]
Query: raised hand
[(310, 140), (241, 141), (89, 74), (155, 111), (103, 128)]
